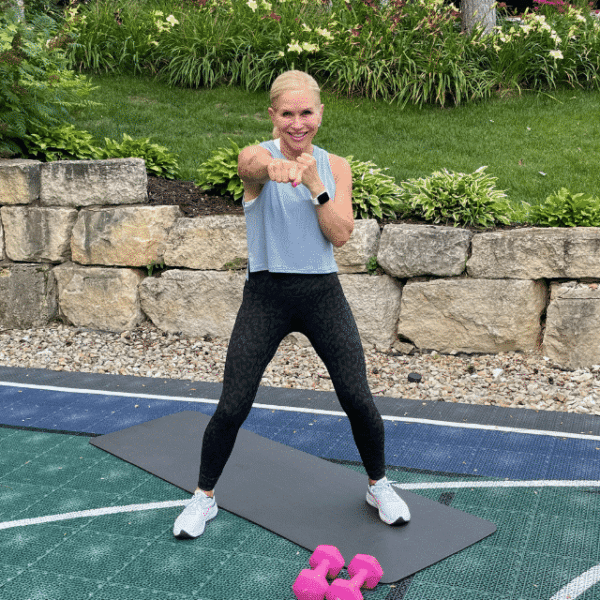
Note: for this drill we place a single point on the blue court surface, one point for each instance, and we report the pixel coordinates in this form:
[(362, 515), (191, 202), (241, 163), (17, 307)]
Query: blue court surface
[(77, 522)]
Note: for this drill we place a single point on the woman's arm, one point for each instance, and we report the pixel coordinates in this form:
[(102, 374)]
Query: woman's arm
[(256, 166), (336, 217)]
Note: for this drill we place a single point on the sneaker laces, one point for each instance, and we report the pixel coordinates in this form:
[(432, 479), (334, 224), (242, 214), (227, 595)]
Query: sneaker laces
[(200, 501), (384, 488)]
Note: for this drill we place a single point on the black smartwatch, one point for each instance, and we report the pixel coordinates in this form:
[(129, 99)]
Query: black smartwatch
[(321, 198)]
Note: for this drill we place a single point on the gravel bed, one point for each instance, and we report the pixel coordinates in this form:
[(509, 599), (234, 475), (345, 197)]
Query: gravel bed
[(510, 379)]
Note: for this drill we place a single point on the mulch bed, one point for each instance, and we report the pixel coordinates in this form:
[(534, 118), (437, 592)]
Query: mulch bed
[(193, 202)]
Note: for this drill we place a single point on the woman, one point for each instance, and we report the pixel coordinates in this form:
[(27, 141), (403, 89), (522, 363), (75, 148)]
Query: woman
[(298, 205)]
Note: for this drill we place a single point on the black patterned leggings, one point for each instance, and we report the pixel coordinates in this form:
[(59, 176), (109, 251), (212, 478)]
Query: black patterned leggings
[(273, 306)]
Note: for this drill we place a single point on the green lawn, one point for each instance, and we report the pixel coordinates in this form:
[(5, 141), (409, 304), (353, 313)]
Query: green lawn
[(533, 144)]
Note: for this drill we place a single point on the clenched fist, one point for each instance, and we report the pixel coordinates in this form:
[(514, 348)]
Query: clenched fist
[(302, 170), (285, 171)]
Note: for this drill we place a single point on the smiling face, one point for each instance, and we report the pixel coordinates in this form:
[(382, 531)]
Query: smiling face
[(297, 116)]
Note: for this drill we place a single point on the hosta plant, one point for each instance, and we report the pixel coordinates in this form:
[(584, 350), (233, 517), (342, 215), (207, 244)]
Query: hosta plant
[(219, 172), (67, 143), (62, 143), (565, 209), (159, 161), (456, 199), (374, 194)]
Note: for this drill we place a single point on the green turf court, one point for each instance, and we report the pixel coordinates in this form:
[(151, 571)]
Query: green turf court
[(546, 547)]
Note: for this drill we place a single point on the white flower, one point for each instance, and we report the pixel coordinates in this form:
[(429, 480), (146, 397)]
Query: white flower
[(172, 20), (310, 47), (556, 54), (305, 27), (268, 6), (294, 47), (526, 29), (281, 53), (580, 18), (252, 4), (159, 13), (326, 34)]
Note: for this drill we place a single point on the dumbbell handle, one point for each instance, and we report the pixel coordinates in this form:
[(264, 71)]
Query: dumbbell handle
[(354, 584), (359, 579), (323, 567)]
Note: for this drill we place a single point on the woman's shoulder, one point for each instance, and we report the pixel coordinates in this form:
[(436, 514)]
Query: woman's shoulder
[(339, 165)]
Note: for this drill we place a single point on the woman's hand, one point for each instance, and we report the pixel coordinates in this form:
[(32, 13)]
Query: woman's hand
[(302, 170), (310, 174), (285, 171)]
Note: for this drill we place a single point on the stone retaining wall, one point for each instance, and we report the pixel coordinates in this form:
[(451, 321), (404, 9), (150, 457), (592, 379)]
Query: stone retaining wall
[(77, 239)]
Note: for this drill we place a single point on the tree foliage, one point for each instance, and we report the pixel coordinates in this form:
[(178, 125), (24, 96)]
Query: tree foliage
[(37, 89)]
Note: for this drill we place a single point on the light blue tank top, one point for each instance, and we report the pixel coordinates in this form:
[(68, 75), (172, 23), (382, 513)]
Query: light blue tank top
[(282, 227)]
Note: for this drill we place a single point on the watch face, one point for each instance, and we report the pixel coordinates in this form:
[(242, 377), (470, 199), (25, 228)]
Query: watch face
[(322, 198)]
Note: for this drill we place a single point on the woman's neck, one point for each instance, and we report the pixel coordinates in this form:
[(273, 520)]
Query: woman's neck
[(293, 155)]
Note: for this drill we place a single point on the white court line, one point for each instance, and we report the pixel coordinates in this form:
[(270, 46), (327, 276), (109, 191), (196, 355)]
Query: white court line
[(95, 512), (497, 484), (312, 411), (112, 510), (579, 585), (571, 591)]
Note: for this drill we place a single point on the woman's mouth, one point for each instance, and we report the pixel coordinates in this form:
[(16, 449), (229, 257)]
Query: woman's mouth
[(297, 137)]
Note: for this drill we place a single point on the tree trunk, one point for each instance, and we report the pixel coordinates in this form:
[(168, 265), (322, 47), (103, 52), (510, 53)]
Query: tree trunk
[(478, 13)]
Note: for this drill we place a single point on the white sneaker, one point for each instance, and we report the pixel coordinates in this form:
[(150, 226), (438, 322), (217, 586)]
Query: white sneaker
[(191, 522), (392, 509)]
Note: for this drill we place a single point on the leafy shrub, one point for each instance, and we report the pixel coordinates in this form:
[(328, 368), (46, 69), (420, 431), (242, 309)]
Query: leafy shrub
[(62, 143), (43, 7), (565, 209), (159, 161), (67, 143), (399, 50), (543, 52), (374, 194), (37, 89), (455, 199), (219, 172)]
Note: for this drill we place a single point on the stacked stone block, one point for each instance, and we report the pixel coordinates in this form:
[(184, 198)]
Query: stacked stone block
[(79, 241)]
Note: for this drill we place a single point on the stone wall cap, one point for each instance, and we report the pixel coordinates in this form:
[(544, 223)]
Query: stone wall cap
[(421, 226), (549, 231), (10, 162), (574, 290), (104, 161)]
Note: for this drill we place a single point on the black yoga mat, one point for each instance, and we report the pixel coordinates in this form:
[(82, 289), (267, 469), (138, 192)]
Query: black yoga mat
[(298, 496)]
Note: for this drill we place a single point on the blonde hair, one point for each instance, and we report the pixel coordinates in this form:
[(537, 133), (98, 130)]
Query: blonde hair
[(291, 81)]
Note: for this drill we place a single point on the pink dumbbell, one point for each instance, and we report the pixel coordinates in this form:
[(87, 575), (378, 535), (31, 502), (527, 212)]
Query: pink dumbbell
[(365, 571), (311, 584)]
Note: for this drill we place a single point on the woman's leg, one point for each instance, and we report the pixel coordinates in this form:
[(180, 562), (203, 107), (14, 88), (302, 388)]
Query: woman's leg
[(330, 326), (262, 322)]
